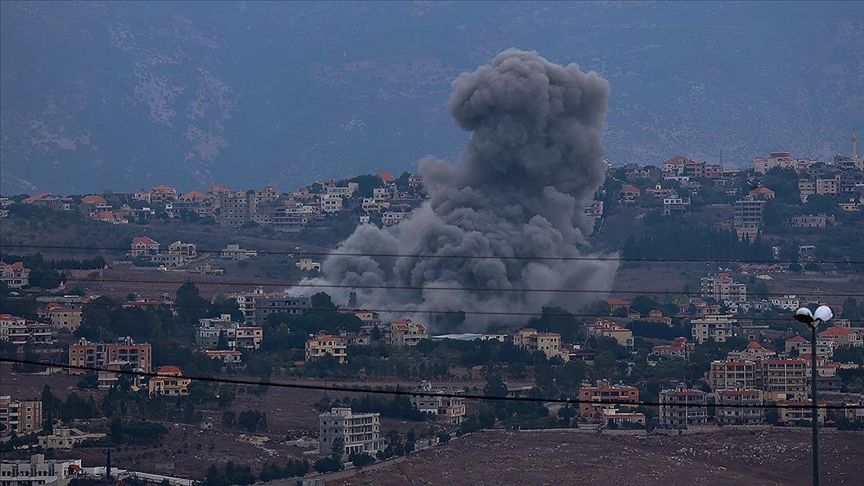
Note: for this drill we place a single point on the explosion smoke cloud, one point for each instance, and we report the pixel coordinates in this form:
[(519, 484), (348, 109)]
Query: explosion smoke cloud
[(534, 158)]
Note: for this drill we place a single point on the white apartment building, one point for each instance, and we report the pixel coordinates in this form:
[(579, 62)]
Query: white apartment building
[(447, 408), (38, 471), (717, 327), (360, 432)]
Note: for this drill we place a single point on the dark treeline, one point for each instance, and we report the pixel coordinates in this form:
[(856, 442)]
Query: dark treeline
[(679, 241), (38, 261)]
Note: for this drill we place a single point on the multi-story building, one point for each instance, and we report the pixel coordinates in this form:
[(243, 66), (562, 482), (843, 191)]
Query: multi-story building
[(679, 348), (38, 471), (169, 383), (323, 344), (236, 208), (611, 416), (610, 329), (732, 375), (806, 188), (14, 275), (842, 336), (360, 432), (716, 327), (761, 165), (828, 185), (593, 399), (405, 332), (683, 407), (235, 334), (801, 347), (722, 287), (20, 416), (794, 411), (449, 408), (748, 216), (234, 252), (279, 303), (62, 316), (18, 330), (783, 379), (549, 343), (739, 407), (331, 203), (143, 245), (101, 355)]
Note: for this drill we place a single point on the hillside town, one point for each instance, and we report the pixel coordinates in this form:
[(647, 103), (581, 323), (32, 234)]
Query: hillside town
[(723, 351)]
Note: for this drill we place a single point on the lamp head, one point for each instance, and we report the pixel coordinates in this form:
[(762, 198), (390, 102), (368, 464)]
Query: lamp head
[(823, 313), (804, 315)]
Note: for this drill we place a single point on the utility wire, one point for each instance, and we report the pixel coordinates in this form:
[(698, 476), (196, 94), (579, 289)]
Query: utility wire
[(388, 311), (468, 396), (465, 289), (463, 257)]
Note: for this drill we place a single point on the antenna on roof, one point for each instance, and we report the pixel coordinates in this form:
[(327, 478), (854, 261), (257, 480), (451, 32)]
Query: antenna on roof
[(721, 155)]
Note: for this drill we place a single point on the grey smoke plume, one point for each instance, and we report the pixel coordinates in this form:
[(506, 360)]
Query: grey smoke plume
[(533, 160)]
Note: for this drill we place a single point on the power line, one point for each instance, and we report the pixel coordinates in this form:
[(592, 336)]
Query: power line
[(467, 396), (462, 257), (464, 289), (391, 311)]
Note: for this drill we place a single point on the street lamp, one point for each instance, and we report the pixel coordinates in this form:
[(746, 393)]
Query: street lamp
[(822, 314)]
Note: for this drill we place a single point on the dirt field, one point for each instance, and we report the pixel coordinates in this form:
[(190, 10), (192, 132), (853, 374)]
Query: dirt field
[(722, 457)]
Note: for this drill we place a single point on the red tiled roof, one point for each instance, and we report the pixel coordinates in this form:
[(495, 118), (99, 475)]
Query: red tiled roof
[(629, 188), (796, 339), (12, 265), (674, 160), (93, 199), (36, 197), (194, 195), (616, 301), (836, 331), (168, 369), (162, 187), (761, 190), (143, 240)]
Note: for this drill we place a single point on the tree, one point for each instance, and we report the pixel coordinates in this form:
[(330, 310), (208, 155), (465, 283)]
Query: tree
[(189, 303), (322, 301), (337, 448)]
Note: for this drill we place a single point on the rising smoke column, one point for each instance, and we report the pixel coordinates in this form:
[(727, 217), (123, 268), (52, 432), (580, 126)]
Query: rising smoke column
[(534, 158)]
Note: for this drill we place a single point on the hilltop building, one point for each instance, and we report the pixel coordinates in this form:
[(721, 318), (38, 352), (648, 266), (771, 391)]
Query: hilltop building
[(360, 432)]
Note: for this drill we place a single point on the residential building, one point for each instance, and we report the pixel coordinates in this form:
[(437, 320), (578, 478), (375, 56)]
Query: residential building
[(393, 217), (307, 265), (169, 383), (761, 165), (38, 471), (786, 302), (610, 329), (66, 438), (811, 221), (682, 407), (162, 194), (828, 185), (20, 416), (795, 411), (14, 275), (549, 343), (440, 402), (235, 334), (799, 346), (629, 194), (323, 344), (62, 316), (679, 348), (842, 336), (360, 432), (806, 188), (783, 379), (234, 252), (716, 327), (753, 352), (762, 193), (100, 355), (18, 330), (748, 216), (279, 303), (143, 245), (331, 203), (675, 205), (722, 288), (227, 356), (616, 304), (739, 407), (235, 208), (733, 375), (405, 332), (594, 399), (611, 416)]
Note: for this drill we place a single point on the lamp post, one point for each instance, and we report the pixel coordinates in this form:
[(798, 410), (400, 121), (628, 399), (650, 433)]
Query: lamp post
[(822, 314)]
